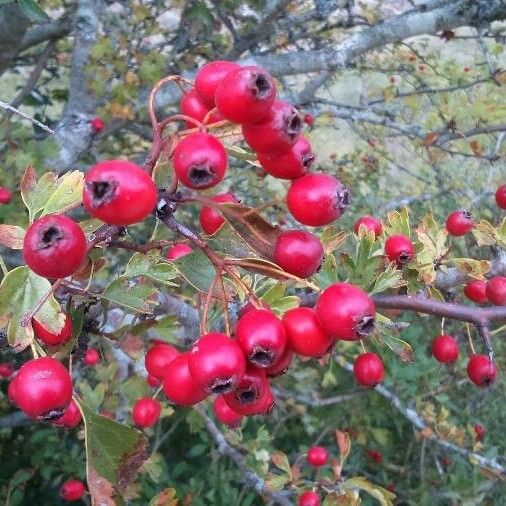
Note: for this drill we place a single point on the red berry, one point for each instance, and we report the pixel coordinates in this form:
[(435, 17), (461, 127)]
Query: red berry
[(479, 432), (298, 252), (375, 455), (72, 490), (153, 381), (119, 192), (266, 402), (317, 456), (12, 390), (178, 250), (277, 132), (445, 349), (146, 412), (97, 125), (50, 338), (70, 419), (179, 385), (309, 119), (246, 95), (317, 199), (368, 369), (370, 223), (192, 105), (459, 223), (290, 164), (225, 414), (5, 195), (216, 363), (42, 388), (304, 334), (262, 337), (211, 219), (309, 498), (500, 196), (281, 366), (6, 370), (399, 249), (54, 246), (200, 161), (496, 290), (345, 312), (209, 76), (476, 291), (481, 370), (91, 357), (159, 357)]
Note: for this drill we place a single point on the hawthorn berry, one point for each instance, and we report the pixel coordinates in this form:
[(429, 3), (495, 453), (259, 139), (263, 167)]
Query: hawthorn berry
[(179, 385), (476, 291), (375, 455), (496, 290), (317, 456), (72, 490), (200, 161), (368, 369), (71, 417), (459, 222), (265, 404), (5, 195), (309, 498), (211, 219), (370, 223), (97, 125), (209, 76), (158, 358), (146, 412), (500, 196), (177, 251), (216, 363), (281, 366), (6, 370), (119, 192), (308, 119), (192, 105), (481, 370), (399, 249), (54, 246), (479, 432), (298, 252), (50, 338), (345, 312), (445, 349), (289, 164), (304, 333), (91, 357), (225, 414), (261, 336), (42, 389), (245, 95), (317, 199)]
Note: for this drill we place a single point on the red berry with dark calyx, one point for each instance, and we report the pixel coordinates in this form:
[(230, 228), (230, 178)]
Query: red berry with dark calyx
[(476, 291), (217, 363), (309, 498), (153, 381), (91, 357), (304, 333), (368, 369), (97, 125), (200, 161), (345, 312), (317, 456), (317, 199), (146, 412), (179, 385), (5, 195), (54, 246), (445, 349), (459, 223), (246, 95), (209, 76), (159, 357), (262, 337), (70, 419), (119, 192), (192, 105), (481, 370), (177, 251), (479, 432), (496, 290), (290, 164), (6, 370), (50, 338), (211, 219), (399, 249), (72, 490), (500, 196), (225, 414), (281, 366), (298, 252), (370, 223), (42, 388)]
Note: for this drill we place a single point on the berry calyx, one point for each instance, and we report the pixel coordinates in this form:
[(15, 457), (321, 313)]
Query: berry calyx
[(345, 312), (72, 490), (177, 251), (5, 195), (368, 369), (119, 192), (445, 349), (6, 370), (200, 161), (496, 290), (309, 498), (146, 412), (54, 246), (479, 432), (317, 199), (192, 105), (261, 336), (91, 357), (246, 95), (97, 125), (209, 76), (298, 252), (179, 385), (211, 219), (476, 291), (500, 196), (50, 338), (399, 249), (216, 363), (159, 357), (281, 366), (481, 370), (225, 414), (71, 417), (317, 456), (459, 222), (370, 223)]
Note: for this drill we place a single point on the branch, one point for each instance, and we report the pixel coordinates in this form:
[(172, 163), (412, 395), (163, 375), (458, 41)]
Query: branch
[(313, 401), (48, 31)]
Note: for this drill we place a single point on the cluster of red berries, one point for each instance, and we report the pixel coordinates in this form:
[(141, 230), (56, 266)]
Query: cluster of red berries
[(493, 290)]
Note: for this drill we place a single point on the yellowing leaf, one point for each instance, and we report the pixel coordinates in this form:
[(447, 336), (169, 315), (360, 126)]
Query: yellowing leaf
[(383, 496), (11, 236), (397, 222)]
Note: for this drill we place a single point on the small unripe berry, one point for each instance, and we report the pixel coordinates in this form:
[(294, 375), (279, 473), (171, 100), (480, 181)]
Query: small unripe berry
[(146, 412), (459, 223), (211, 219), (179, 385), (72, 490), (496, 290), (225, 414), (209, 76), (6, 370), (476, 291), (91, 357), (192, 105), (399, 249), (309, 498), (479, 432), (481, 370), (159, 357), (500, 196), (71, 417), (5, 195), (317, 456), (177, 251), (368, 369), (50, 338), (370, 223), (445, 349), (281, 366), (97, 125)]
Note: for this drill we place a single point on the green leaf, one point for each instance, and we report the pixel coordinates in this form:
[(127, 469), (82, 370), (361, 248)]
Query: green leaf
[(230, 243), (384, 497), (277, 301), (280, 460), (391, 277), (32, 11), (197, 269), (67, 195), (137, 294), (92, 397), (398, 223), (151, 266), (276, 482), (327, 275)]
